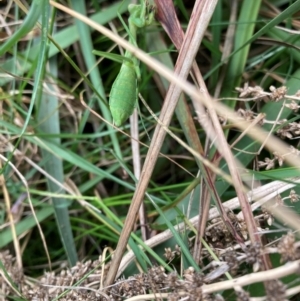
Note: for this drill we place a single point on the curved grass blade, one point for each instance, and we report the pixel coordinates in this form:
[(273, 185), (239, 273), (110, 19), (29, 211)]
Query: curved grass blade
[(34, 13)]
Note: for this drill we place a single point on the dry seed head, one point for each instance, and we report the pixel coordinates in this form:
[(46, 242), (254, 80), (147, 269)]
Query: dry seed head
[(173, 281), (239, 224), (157, 275), (217, 234), (250, 116), (279, 93), (292, 106), (242, 295), (231, 259), (290, 130), (247, 91), (275, 290), (284, 133), (279, 200), (174, 297), (210, 297), (246, 114), (177, 250), (287, 249), (279, 158), (294, 196), (268, 164), (188, 272), (168, 254), (253, 253), (267, 216)]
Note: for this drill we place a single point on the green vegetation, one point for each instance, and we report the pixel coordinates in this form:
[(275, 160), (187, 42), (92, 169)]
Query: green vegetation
[(217, 180)]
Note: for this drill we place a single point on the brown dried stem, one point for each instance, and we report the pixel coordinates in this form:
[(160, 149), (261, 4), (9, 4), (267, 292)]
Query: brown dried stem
[(202, 12)]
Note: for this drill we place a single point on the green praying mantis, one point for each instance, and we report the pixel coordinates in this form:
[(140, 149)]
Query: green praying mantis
[(124, 92)]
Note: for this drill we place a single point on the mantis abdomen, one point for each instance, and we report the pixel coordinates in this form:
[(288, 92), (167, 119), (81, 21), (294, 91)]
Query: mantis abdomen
[(123, 94)]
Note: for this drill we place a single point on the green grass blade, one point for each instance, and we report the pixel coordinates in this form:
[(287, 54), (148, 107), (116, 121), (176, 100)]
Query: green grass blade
[(184, 249), (71, 157), (48, 120), (244, 32), (64, 38), (25, 225), (114, 57), (293, 8), (90, 61), (32, 17)]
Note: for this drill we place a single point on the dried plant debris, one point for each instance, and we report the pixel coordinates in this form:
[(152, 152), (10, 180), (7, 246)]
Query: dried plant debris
[(275, 290), (268, 163), (250, 116), (294, 197), (257, 93), (290, 130), (83, 281), (231, 258), (170, 255), (9, 264), (288, 248), (52, 285), (219, 236), (271, 163), (284, 129), (266, 216), (278, 93), (293, 105), (242, 295)]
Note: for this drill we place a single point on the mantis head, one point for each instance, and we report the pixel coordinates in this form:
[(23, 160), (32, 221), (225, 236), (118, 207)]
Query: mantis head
[(141, 15)]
